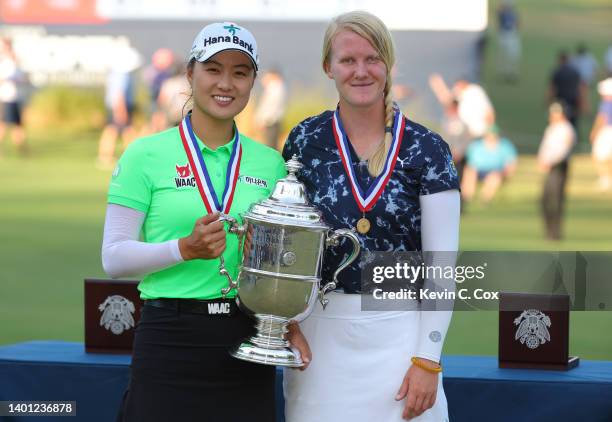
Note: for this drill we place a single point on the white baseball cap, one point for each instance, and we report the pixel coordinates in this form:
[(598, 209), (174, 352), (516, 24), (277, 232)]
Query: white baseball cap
[(218, 37)]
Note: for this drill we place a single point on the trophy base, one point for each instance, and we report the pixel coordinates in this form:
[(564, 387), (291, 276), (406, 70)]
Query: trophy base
[(257, 354)]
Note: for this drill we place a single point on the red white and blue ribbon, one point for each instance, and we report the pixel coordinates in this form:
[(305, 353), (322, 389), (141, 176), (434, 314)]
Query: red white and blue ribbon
[(367, 199), (200, 173)]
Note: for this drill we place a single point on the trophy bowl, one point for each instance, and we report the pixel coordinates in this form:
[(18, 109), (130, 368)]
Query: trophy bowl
[(279, 281)]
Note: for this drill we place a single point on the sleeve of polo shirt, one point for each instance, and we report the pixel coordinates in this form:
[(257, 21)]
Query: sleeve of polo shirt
[(130, 186), (439, 172)]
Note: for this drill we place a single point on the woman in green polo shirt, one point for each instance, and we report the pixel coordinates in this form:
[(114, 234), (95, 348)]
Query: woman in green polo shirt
[(170, 188)]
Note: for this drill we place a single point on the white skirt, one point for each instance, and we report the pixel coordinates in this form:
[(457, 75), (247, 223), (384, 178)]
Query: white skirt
[(359, 360), (602, 147)]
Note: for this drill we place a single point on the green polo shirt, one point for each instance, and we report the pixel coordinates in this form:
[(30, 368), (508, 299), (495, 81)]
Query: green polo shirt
[(153, 176)]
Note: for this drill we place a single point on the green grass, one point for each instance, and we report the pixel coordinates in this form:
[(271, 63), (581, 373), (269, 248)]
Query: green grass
[(51, 214)]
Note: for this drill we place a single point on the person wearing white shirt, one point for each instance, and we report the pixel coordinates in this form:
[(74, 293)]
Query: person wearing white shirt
[(553, 160), (12, 80), (475, 108)]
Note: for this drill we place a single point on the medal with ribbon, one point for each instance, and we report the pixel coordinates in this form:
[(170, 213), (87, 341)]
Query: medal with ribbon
[(206, 188), (200, 172), (367, 199)]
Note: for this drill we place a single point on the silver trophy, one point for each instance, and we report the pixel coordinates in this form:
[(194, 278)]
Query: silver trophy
[(284, 239)]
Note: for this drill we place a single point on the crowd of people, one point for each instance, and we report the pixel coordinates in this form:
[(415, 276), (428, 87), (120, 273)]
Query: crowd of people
[(570, 83), (568, 96), (481, 154), (469, 127)]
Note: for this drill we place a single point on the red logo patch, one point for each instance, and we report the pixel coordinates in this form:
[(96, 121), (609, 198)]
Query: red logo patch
[(183, 171)]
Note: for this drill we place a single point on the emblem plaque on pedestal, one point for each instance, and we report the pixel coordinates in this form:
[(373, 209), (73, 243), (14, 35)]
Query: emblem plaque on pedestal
[(534, 331), (112, 309)]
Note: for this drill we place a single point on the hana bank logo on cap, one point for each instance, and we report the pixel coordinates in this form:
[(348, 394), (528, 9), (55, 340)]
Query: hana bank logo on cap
[(218, 37)]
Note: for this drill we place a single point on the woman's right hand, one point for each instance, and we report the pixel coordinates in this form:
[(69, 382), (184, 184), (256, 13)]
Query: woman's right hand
[(298, 341), (206, 241)]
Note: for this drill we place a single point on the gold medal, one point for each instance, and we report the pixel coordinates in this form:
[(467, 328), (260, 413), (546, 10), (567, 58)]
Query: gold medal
[(366, 199), (363, 225)]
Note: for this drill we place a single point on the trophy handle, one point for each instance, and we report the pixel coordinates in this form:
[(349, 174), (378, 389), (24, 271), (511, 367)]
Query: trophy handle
[(239, 230), (334, 240)]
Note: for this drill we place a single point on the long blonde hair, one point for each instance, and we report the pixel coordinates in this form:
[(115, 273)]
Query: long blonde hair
[(371, 28)]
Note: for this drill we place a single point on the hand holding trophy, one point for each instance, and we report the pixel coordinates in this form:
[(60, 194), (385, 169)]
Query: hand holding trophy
[(280, 276)]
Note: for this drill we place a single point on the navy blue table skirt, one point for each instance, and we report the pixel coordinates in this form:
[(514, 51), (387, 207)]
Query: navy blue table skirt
[(476, 388)]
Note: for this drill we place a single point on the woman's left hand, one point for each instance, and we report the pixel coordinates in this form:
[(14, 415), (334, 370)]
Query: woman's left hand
[(420, 387)]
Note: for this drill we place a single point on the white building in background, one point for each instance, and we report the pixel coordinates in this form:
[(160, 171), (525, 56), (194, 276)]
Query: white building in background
[(75, 41)]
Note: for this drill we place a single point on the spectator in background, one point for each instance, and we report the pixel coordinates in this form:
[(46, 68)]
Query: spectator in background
[(453, 129), (173, 96), (271, 107), (474, 108), (12, 81), (455, 133), (491, 160), (509, 41), (154, 76), (601, 135), (119, 101), (566, 87), (553, 160), (586, 65)]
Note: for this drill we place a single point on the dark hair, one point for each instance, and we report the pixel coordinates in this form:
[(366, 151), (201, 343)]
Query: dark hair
[(188, 68), (191, 63)]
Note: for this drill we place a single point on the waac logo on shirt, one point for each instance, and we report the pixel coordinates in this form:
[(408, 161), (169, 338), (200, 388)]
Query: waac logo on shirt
[(184, 177)]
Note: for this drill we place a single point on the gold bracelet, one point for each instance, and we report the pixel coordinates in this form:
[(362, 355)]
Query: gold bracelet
[(418, 362)]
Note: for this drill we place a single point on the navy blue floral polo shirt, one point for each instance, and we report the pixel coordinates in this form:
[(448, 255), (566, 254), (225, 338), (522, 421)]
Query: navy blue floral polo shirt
[(424, 166)]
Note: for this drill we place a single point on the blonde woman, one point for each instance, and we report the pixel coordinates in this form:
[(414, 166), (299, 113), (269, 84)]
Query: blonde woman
[(367, 167)]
